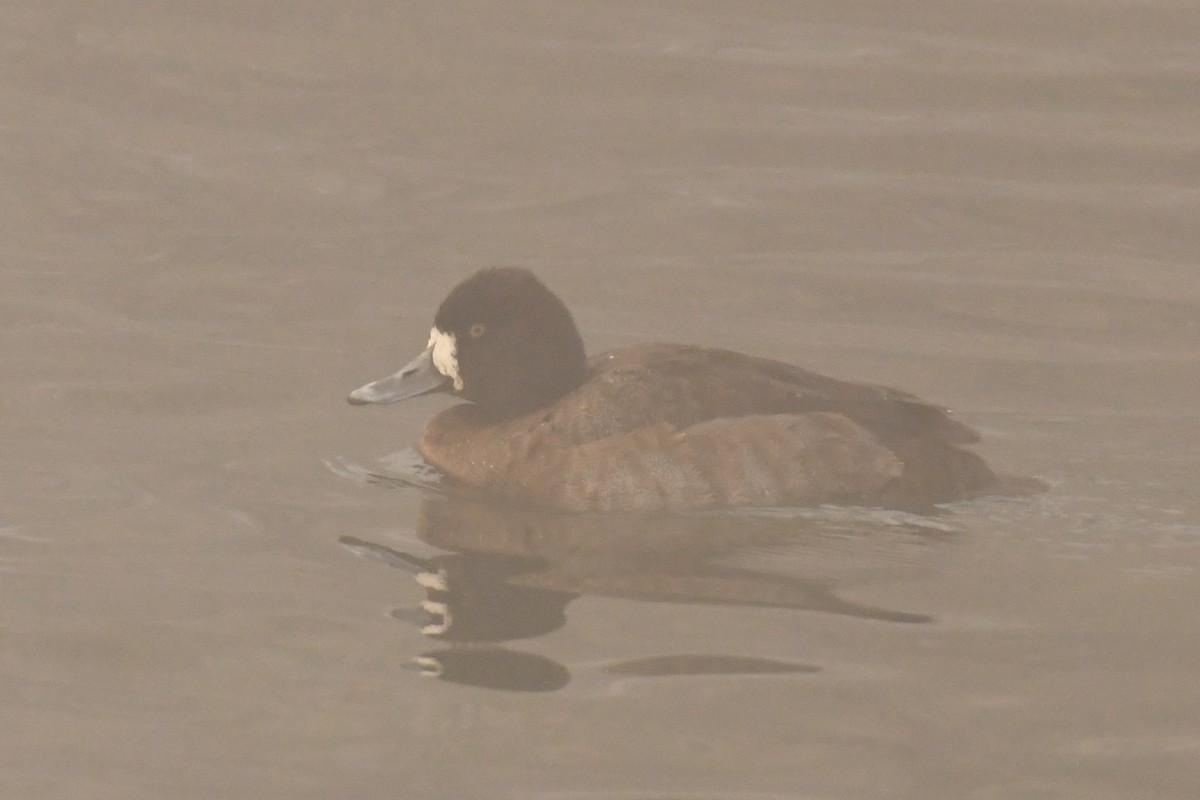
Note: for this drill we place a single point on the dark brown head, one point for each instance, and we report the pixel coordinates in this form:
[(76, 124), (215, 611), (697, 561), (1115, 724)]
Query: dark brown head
[(502, 340)]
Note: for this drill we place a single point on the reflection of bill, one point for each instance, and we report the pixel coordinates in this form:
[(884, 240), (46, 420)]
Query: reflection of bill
[(510, 574)]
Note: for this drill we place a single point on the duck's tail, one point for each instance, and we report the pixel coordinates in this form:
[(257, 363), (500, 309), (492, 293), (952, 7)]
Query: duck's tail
[(936, 472)]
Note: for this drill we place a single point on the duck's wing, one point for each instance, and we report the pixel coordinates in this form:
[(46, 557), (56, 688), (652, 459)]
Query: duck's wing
[(755, 460), (883, 410), (685, 386)]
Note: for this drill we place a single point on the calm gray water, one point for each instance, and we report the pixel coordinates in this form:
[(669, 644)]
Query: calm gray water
[(219, 218)]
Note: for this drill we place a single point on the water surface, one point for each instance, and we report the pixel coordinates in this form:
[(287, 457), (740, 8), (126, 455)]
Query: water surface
[(219, 219)]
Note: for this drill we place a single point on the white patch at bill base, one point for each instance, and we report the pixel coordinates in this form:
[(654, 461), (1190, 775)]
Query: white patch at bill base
[(445, 355)]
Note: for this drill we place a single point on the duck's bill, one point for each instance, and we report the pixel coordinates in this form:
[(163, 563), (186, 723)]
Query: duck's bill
[(418, 377)]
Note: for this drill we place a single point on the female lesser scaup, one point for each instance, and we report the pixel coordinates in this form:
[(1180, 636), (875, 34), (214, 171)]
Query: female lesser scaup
[(661, 427)]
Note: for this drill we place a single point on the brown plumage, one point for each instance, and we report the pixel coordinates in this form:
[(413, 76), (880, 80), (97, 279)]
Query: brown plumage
[(664, 427)]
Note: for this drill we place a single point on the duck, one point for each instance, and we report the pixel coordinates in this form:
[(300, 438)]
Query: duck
[(662, 427)]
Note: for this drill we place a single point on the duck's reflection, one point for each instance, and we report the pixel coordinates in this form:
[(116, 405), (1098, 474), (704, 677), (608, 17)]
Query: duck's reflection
[(495, 668), (509, 575)]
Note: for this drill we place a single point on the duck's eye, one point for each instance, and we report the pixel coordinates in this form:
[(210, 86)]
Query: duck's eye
[(477, 330)]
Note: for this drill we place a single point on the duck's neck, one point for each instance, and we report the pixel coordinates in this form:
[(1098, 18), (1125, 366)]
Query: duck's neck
[(547, 371)]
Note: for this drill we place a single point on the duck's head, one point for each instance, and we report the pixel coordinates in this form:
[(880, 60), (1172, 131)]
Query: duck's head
[(501, 339)]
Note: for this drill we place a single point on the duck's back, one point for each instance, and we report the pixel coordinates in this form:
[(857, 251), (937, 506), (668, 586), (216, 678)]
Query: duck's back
[(674, 427), (683, 386)]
